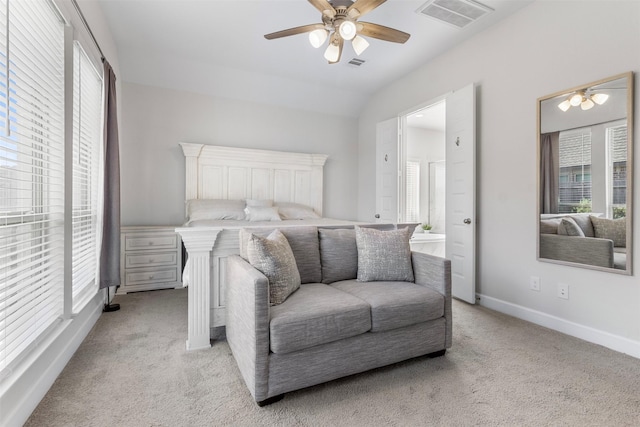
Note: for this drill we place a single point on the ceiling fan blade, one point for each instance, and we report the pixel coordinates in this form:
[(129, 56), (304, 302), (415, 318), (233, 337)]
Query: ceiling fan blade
[(293, 31), (324, 7), (340, 46), (360, 7), (381, 32)]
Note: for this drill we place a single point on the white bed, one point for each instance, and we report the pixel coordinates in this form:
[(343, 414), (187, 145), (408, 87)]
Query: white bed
[(215, 172)]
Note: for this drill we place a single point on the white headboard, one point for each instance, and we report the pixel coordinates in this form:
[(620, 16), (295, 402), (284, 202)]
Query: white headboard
[(215, 172)]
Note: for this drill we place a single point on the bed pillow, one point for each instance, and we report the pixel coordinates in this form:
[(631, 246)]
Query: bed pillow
[(296, 211), (273, 256), (259, 203), (569, 227), (384, 255), (612, 229), (261, 213), (212, 209), (338, 254)]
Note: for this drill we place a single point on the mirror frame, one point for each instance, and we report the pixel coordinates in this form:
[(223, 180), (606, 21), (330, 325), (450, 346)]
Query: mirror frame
[(629, 191)]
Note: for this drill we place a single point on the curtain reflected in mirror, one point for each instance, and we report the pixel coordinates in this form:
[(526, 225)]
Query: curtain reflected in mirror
[(585, 164)]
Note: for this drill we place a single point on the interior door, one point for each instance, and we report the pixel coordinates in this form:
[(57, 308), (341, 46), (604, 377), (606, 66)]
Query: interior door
[(460, 191), (387, 171)]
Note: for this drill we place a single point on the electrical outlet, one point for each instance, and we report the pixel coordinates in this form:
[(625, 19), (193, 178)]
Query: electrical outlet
[(534, 283), (563, 291)]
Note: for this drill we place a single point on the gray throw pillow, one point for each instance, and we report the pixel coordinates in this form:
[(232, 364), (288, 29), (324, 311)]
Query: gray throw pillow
[(612, 229), (338, 254), (384, 255), (272, 255), (568, 227)]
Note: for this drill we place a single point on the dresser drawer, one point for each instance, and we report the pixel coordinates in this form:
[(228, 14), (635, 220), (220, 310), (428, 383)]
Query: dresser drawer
[(151, 277), (151, 259), (146, 242)]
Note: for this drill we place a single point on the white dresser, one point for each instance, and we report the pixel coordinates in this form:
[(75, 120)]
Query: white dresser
[(429, 243), (150, 258)]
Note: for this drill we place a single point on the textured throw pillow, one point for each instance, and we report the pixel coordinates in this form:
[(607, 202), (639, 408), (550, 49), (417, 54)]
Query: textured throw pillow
[(212, 209), (338, 254), (612, 229), (272, 255), (296, 211), (568, 227), (261, 213), (259, 203), (384, 255)]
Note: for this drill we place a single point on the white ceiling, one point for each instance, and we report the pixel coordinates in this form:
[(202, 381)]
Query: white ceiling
[(217, 47)]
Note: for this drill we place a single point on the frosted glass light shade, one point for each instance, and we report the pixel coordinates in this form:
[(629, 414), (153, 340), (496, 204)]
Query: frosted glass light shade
[(564, 105), (347, 30), (318, 37), (576, 99), (587, 104), (599, 98), (332, 53), (359, 45)]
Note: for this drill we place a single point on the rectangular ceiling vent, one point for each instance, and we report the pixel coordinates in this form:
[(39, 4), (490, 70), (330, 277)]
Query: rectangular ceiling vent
[(458, 13), (355, 62)]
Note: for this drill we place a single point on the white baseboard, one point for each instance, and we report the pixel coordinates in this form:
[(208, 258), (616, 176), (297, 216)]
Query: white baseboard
[(606, 339), (23, 390)]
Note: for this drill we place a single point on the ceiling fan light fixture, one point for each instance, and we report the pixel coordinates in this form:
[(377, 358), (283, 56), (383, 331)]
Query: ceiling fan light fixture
[(318, 37), (564, 105), (360, 44), (332, 53), (599, 98), (347, 30)]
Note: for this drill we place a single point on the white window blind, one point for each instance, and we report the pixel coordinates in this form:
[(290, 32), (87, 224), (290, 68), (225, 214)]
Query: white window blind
[(617, 171), (575, 171), (31, 173), (87, 113), (413, 192)]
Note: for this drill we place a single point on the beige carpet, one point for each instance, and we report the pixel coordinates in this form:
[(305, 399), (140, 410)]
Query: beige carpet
[(132, 370)]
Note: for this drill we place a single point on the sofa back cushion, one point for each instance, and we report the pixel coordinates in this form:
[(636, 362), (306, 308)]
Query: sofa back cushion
[(384, 255), (304, 245), (338, 254)]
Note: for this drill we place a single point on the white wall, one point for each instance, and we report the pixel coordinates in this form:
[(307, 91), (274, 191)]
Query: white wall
[(155, 120), (534, 53)]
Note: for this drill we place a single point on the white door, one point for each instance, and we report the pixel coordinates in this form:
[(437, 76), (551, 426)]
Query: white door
[(460, 191), (387, 171)]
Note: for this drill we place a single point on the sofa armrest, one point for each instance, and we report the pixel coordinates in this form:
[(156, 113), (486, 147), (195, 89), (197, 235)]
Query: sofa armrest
[(435, 273), (583, 250), (247, 325)]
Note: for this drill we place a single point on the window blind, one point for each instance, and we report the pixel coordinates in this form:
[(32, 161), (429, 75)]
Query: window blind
[(87, 114), (413, 191), (617, 171), (31, 173), (575, 170)]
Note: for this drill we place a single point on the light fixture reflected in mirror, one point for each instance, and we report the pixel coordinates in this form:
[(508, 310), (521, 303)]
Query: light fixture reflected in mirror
[(584, 100), (332, 53), (347, 30), (359, 45), (318, 37)]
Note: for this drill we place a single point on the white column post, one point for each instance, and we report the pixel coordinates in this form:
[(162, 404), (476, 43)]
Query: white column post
[(199, 243)]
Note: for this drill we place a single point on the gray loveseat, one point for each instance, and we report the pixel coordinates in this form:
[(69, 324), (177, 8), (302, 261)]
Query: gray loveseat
[(324, 331)]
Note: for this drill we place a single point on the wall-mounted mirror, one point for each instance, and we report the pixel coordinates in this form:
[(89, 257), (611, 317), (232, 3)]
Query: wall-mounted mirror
[(585, 164)]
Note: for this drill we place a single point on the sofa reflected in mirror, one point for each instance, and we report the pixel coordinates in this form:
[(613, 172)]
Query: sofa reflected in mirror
[(585, 165)]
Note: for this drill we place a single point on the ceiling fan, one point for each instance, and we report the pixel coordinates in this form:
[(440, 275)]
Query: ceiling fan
[(340, 23)]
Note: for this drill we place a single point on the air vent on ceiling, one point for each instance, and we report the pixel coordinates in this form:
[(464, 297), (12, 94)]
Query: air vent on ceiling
[(355, 62), (458, 13)]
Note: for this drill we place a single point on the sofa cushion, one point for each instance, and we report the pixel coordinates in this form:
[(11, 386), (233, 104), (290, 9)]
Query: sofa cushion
[(316, 314), (569, 227), (395, 304), (304, 244), (549, 226), (611, 229), (272, 255), (338, 254), (384, 255)]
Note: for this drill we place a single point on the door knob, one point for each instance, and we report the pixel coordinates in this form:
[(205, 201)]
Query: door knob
[(377, 216), (467, 221)]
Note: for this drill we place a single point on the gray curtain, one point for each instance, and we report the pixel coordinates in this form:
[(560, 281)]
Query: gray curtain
[(110, 249), (549, 172)]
